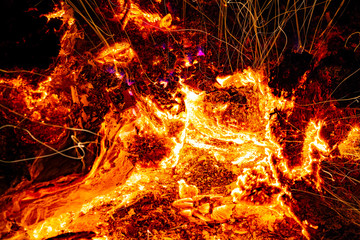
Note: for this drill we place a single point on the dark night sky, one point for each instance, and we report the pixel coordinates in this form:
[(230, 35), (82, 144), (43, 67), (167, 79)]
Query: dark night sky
[(26, 39)]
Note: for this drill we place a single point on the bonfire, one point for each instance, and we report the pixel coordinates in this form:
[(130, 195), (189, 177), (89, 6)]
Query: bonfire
[(135, 119)]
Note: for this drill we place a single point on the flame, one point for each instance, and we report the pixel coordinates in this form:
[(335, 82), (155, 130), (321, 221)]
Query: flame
[(118, 54)]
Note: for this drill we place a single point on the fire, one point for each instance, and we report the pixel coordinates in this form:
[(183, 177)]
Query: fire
[(160, 149), (119, 54)]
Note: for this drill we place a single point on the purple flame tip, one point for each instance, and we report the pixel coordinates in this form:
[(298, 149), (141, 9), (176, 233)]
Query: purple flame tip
[(200, 53), (130, 82), (111, 70)]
